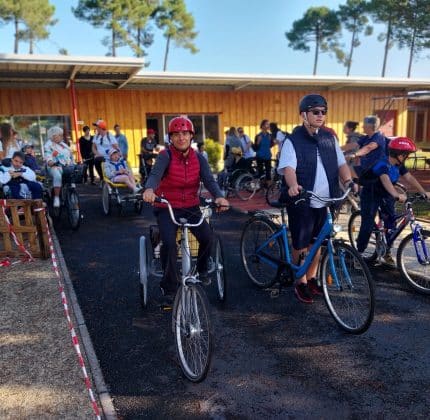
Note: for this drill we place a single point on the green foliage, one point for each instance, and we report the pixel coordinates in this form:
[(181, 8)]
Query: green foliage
[(354, 19), (319, 25), (214, 151), (177, 24)]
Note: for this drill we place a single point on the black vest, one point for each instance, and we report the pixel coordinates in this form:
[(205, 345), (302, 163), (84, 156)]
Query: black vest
[(306, 147)]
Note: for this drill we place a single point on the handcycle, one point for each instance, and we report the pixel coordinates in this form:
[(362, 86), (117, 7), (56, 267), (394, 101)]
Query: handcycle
[(347, 284), (69, 197), (413, 253), (191, 323), (118, 194)]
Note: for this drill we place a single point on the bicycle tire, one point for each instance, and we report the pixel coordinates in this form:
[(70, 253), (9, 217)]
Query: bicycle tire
[(106, 199), (370, 253), (219, 269), (192, 330), (245, 186), (255, 232), (144, 265), (355, 290), (409, 265), (273, 192), (73, 209)]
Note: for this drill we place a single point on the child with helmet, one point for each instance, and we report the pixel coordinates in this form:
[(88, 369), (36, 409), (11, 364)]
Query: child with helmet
[(378, 188)]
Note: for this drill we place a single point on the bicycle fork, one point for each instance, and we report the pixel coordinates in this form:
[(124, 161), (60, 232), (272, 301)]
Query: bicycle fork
[(345, 277), (420, 246)]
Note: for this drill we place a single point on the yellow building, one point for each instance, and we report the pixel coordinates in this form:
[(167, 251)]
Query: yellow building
[(37, 92)]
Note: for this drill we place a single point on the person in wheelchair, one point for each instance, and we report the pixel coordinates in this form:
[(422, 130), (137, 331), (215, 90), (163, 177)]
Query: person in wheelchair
[(30, 158), (238, 163), (117, 171), (59, 159), (19, 179)]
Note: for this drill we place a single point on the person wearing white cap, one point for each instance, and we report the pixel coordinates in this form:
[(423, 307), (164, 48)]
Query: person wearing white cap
[(103, 141), (117, 171)]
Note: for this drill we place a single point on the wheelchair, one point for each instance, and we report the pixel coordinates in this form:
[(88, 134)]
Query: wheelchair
[(118, 195), (241, 183)]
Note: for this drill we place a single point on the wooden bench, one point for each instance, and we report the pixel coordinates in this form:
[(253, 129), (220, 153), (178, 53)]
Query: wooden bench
[(30, 227)]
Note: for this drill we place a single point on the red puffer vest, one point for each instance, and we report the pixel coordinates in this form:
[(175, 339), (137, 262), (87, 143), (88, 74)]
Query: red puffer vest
[(181, 180)]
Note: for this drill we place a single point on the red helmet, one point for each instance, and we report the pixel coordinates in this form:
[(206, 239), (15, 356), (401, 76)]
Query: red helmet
[(181, 124), (402, 145)]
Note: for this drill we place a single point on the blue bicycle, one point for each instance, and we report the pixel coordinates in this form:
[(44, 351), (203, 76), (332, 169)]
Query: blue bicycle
[(346, 281)]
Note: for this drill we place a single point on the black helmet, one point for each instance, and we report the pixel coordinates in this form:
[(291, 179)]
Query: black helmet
[(311, 101)]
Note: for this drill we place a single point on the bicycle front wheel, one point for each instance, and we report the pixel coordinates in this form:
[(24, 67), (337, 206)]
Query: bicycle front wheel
[(370, 254), (348, 288), (73, 209), (192, 330), (245, 186), (260, 265), (413, 259), (144, 269), (218, 269)]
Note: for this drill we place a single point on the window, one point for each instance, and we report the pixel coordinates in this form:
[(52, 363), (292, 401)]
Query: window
[(33, 129), (205, 126)]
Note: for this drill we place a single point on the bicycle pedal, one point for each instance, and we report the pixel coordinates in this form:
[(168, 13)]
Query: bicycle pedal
[(274, 294), (166, 308)]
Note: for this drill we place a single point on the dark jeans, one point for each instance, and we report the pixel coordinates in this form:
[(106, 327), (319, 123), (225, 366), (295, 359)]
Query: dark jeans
[(169, 254), (34, 187), (88, 167), (98, 165), (370, 200), (267, 164)]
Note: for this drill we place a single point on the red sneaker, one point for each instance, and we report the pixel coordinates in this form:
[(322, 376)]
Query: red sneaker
[(314, 288), (302, 293)]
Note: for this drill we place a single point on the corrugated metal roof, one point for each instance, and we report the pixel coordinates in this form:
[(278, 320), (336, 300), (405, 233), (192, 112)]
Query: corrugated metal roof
[(116, 72)]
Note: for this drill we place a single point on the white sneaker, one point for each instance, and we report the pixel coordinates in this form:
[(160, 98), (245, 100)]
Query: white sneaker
[(56, 202)]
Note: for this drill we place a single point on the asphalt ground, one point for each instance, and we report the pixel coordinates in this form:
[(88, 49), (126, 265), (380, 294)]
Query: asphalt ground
[(273, 357)]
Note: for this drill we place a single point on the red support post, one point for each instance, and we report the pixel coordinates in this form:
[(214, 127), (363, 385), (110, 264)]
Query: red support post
[(75, 117)]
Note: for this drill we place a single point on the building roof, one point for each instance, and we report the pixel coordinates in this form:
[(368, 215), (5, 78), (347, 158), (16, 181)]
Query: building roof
[(38, 71)]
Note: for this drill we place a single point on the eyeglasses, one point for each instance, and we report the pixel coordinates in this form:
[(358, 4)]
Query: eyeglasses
[(318, 112)]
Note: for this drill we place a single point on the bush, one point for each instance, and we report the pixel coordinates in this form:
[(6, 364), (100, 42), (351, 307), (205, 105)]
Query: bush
[(214, 151)]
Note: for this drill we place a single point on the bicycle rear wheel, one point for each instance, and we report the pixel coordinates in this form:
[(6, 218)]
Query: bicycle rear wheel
[(73, 209), (192, 330), (370, 253), (260, 265), (348, 288), (413, 260), (245, 186)]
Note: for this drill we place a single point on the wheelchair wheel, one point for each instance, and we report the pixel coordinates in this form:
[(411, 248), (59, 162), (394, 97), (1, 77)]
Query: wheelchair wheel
[(73, 210), (144, 265), (245, 186), (106, 197)]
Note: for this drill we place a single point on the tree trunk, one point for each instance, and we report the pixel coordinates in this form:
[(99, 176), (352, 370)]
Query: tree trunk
[(317, 47), (15, 48), (113, 43), (166, 53), (31, 45), (139, 52), (411, 52), (387, 47), (348, 69)]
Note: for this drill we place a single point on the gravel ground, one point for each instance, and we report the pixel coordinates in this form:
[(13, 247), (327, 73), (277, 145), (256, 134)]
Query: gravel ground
[(40, 375)]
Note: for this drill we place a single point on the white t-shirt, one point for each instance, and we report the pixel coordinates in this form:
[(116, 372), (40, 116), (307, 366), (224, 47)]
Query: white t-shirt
[(250, 153), (12, 149), (321, 187), (104, 144)]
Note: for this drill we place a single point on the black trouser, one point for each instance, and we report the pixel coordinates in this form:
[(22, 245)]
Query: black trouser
[(88, 167), (34, 187), (169, 253), (98, 165), (267, 164)]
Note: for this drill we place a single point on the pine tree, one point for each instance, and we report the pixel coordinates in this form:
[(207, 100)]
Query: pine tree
[(177, 24), (354, 19), (12, 11), (319, 25)]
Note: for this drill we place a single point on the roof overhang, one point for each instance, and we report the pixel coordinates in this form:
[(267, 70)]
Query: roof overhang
[(38, 71)]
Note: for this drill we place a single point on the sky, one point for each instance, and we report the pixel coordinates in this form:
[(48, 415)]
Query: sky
[(235, 36)]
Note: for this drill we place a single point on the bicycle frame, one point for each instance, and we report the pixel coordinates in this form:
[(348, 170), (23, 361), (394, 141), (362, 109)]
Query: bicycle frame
[(300, 270)]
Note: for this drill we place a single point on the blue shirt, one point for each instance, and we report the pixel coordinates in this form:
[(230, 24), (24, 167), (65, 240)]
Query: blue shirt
[(376, 154), (122, 144), (263, 151)]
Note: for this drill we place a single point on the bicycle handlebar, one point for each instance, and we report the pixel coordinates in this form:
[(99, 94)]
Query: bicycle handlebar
[(326, 200), (209, 204)]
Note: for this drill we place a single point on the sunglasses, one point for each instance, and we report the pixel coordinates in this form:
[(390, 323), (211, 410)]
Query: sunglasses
[(318, 112)]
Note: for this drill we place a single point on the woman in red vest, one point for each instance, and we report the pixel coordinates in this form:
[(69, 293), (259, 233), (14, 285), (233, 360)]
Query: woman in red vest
[(176, 176)]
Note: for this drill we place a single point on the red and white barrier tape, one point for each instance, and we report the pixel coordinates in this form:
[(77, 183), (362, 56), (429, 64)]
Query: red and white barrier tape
[(75, 340), (22, 248)]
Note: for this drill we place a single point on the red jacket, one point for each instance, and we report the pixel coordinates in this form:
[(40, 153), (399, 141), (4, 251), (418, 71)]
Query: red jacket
[(181, 181)]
